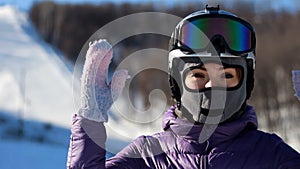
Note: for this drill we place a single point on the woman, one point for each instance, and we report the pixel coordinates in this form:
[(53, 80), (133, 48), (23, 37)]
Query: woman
[(211, 70)]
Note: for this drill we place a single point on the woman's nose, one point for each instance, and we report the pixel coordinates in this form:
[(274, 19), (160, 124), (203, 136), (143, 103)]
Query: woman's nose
[(208, 84), (215, 83)]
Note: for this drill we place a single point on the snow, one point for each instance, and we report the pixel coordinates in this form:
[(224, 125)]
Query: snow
[(31, 144), (33, 79), (25, 155), (36, 100)]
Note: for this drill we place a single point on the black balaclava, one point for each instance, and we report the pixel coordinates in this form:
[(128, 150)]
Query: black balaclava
[(220, 104)]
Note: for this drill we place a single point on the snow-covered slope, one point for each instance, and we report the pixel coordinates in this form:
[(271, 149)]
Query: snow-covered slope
[(28, 144), (36, 96), (30, 155), (34, 82), (36, 100)]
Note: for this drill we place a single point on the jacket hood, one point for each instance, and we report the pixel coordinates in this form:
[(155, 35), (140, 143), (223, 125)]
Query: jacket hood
[(223, 132)]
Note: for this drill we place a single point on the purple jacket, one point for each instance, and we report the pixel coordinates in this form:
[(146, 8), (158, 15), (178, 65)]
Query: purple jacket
[(234, 145)]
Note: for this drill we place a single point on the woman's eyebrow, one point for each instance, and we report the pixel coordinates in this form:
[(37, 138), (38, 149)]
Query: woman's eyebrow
[(197, 67), (225, 67), (204, 68), (222, 68)]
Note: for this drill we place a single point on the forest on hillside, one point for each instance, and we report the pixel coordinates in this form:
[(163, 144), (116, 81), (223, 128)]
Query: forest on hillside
[(68, 27)]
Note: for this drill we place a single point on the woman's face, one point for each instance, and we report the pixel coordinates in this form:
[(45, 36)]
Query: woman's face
[(212, 75)]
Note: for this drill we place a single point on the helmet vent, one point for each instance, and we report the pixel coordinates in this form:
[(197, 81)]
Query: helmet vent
[(212, 9)]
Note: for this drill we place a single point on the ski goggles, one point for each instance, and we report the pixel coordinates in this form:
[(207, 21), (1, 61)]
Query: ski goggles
[(197, 33)]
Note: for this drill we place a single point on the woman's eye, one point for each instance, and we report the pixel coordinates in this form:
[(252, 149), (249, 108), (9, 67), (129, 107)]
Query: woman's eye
[(228, 76), (198, 75)]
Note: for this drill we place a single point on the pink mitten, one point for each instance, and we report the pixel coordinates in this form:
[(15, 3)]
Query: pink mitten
[(97, 95)]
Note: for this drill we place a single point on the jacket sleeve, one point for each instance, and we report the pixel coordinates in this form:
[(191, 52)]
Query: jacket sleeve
[(138, 154), (87, 144), (87, 148)]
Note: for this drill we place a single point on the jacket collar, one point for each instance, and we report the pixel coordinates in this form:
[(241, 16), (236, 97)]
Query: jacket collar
[(223, 132)]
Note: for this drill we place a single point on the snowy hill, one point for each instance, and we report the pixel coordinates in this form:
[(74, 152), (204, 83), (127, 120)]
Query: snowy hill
[(34, 81), (36, 98), (29, 144), (36, 101)]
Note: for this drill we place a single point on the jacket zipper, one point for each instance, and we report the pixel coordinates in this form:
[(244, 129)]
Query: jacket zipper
[(204, 162)]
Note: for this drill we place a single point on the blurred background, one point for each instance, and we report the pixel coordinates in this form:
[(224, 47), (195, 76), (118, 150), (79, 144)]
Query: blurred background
[(40, 42)]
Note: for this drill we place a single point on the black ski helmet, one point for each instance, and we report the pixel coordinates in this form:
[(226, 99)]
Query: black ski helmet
[(220, 43)]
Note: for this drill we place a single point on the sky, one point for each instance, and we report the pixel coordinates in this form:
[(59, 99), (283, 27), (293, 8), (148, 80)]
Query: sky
[(290, 5)]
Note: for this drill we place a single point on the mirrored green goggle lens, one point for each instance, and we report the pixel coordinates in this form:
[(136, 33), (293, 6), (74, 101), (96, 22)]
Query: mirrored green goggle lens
[(198, 33)]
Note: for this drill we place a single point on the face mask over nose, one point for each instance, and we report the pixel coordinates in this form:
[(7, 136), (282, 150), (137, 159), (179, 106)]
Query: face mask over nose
[(215, 104)]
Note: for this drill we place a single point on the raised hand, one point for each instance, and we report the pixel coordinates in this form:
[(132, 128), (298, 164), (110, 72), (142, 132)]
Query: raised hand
[(97, 95)]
